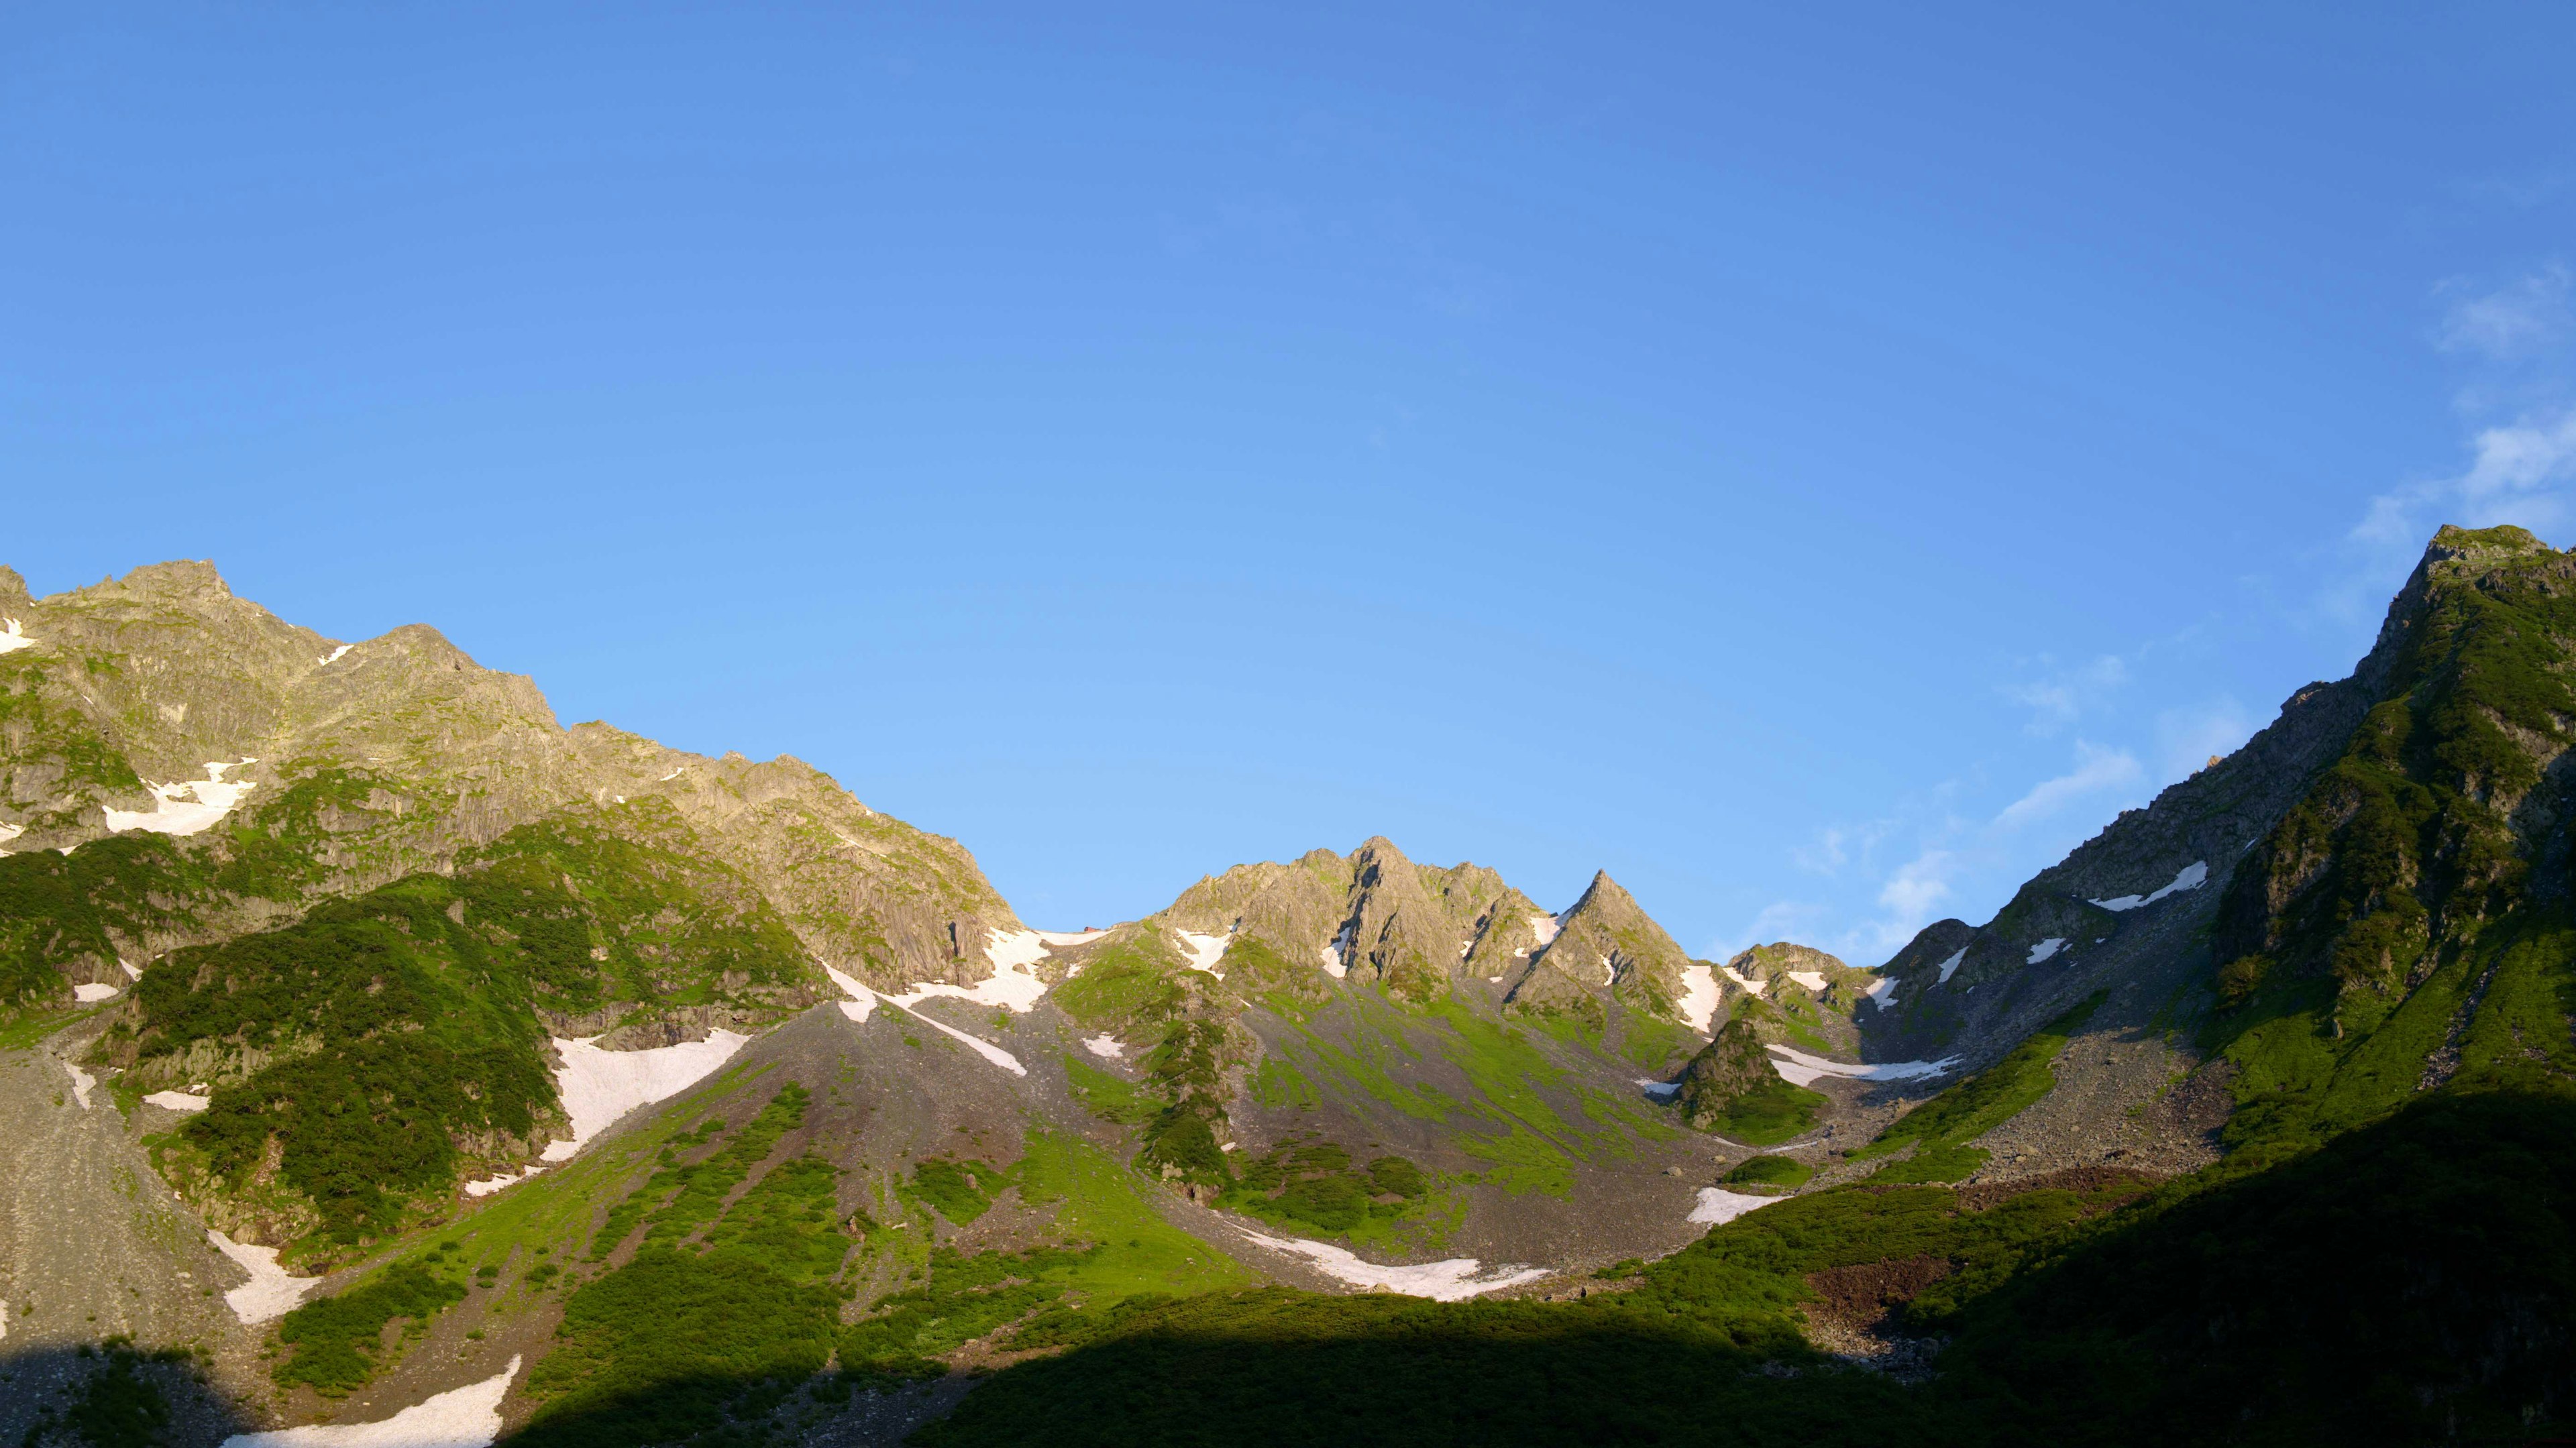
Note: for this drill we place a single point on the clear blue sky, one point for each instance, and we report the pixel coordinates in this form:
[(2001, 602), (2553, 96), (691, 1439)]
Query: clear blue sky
[(1816, 463)]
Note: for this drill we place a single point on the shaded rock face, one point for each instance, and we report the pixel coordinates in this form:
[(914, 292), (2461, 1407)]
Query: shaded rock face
[(370, 761)]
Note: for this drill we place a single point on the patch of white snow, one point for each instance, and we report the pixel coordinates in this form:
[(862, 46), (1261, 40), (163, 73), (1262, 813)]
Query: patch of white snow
[(1884, 992), (10, 832), (2190, 877), (1547, 927), (12, 637), (674, 774), (82, 1081), (130, 972), (1798, 1068), (599, 1086), (1717, 1206), (1700, 996), (1660, 1090), (1454, 1280), (178, 1101), (1201, 952), (1337, 962), (1105, 1046), (489, 1185), (1061, 938), (1011, 984), (1950, 967), (466, 1417), (1811, 979), (1757, 987), (270, 1292), (336, 655), (2045, 949), (188, 808), (861, 999), (89, 990)]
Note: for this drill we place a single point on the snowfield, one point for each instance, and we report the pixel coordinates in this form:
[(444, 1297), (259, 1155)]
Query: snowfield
[(1201, 952), (178, 1101), (1106, 1047), (466, 1417), (270, 1292), (186, 809), (1700, 997), (1798, 1068), (1717, 1205), (12, 637), (1660, 1090), (2045, 949), (1454, 1280), (1811, 979), (599, 1086), (2190, 877), (1950, 967), (1884, 992), (90, 991)]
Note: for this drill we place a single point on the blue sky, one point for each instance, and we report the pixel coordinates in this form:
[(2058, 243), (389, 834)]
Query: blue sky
[(1816, 463)]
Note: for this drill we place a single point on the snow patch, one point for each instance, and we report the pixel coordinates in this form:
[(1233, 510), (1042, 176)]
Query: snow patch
[(336, 655), (1756, 987), (674, 774), (188, 808), (1011, 984), (1007, 948), (1799, 1068), (10, 832), (1105, 1046), (1950, 967), (1884, 992), (1337, 956), (130, 972), (599, 1086), (1201, 952), (1660, 1090), (490, 1185), (466, 1417), (89, 990), (1062, 938), (2045, 949), (270, 1292), (178, 1101), (861, 999), (1454, 1280), (1717, 1205), (1811, 979), (1700, 997), (82, 1081), (1547, 927), (12, 637), (2190, 877)]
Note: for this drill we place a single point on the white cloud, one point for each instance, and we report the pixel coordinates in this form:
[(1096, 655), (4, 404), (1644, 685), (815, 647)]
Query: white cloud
[(2096, 771), (2512, 320), (1839, 845), (1779, 920), (2059, 701)]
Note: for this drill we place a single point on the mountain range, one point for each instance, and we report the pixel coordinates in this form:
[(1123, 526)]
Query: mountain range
[(384, 1062)]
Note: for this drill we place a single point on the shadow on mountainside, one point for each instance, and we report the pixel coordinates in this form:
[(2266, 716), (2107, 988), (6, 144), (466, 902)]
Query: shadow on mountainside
[(2413, 1282), (109, 1396)]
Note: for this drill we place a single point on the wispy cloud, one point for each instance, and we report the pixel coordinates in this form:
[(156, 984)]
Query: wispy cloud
[(2097, 771), (2189, 737), (2068, 694), (2510, 321)]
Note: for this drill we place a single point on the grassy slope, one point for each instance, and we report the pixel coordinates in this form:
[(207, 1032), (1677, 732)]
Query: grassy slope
[(1941, 1128), (2370, 1293), (383, 1046)]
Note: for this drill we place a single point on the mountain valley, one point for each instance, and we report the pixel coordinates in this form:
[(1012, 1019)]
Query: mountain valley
[(384, 1062)]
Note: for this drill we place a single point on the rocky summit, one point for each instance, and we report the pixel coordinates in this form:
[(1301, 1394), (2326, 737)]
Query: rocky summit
[(383, 1062)]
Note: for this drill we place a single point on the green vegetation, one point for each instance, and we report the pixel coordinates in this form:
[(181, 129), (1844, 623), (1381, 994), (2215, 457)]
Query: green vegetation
[(2392, 930), (1786, 1172), (1109, 1097), (119, 1406), (365, 1042), (1315, 1187), (1731, 1088), (682, 1197), (338, 1340), (961, 1191), (1941, 1128), (2335, 1299), (965, 1298)]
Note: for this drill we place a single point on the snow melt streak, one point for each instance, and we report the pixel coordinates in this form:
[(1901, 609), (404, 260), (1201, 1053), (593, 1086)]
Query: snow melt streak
[(1454, 1280), (1798, 1068), (1699, 998), (185, 809), (1716, 1205)]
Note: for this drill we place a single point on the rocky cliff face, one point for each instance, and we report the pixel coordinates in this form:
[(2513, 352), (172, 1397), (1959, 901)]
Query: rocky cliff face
[(339, 768)]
